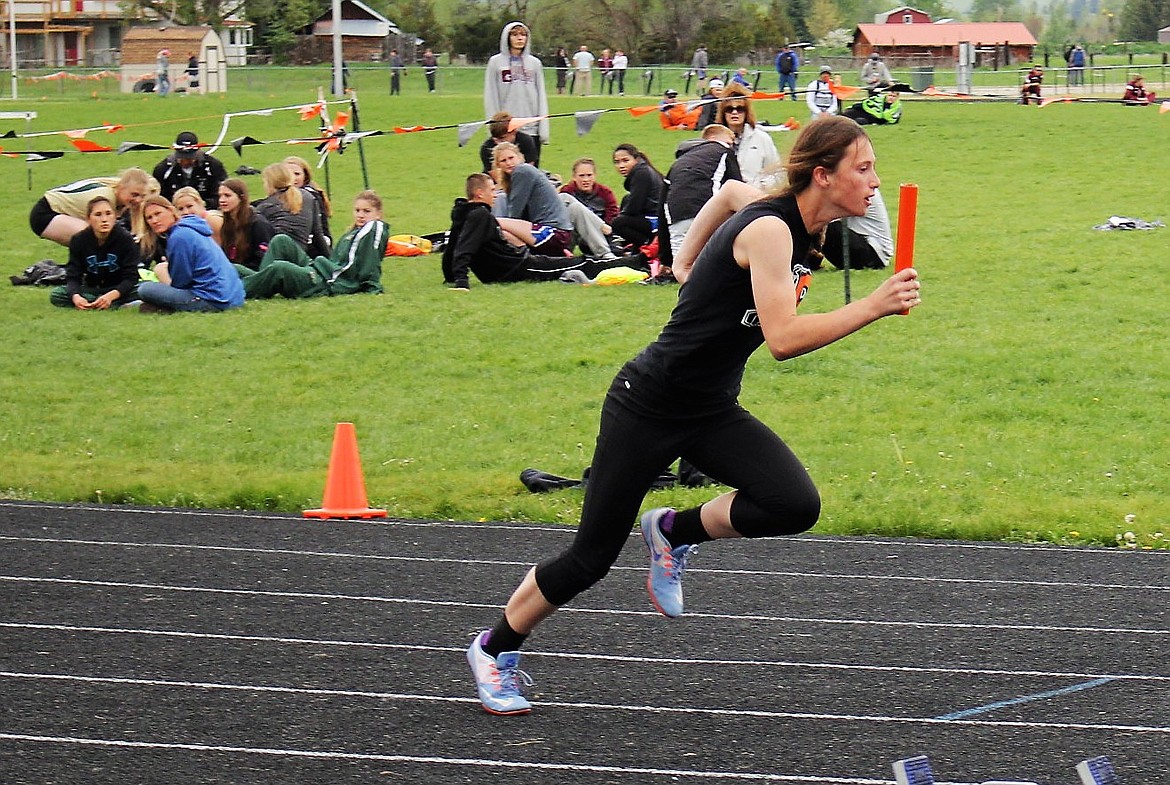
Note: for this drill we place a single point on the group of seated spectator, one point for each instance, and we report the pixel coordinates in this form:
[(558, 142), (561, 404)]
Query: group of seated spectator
[(189, 238), (192, 239), (510, 226), (1136, 93)]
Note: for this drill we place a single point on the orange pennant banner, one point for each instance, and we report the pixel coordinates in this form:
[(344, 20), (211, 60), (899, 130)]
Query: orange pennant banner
[(638, 111), (843, 92), (519, 122), (88, 146), (313, 110)]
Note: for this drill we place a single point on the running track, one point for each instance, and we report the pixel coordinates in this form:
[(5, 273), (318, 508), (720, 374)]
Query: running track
[(164, 646)]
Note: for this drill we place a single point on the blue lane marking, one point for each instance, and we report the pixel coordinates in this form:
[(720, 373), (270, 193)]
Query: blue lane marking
[(958, 715)]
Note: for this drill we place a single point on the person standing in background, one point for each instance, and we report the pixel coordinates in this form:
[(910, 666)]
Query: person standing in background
[(1076, 66), (192, 72), (583, 65), (620, 64), (514, 83), (163, 68), (561, 63), (787, 64), (396, 70), (605, 68), (699, 66), (430, 65)]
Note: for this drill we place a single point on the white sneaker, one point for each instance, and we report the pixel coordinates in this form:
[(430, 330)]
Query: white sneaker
[(498, 680)]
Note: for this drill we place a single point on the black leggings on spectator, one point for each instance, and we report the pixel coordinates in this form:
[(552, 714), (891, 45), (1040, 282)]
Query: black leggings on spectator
[(633, 228)]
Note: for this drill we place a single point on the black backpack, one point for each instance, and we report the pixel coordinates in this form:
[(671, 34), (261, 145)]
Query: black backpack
[(787, 62)]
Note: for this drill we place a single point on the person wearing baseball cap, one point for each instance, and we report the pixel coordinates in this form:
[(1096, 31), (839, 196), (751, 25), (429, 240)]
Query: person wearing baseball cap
[(787, 64), (674, 115), (188, 165), (819, 94), (875, 75), (710, 103)]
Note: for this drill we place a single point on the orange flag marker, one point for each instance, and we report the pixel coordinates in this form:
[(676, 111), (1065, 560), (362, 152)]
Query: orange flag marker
[(345, 485)]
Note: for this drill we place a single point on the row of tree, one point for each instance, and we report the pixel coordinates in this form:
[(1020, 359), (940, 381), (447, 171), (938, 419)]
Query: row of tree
[(658, 31)]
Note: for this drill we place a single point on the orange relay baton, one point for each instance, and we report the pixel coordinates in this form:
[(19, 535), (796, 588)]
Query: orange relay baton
[(907, 218)]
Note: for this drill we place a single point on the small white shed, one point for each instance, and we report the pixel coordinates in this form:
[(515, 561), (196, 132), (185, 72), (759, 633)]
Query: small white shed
[(140, 48)]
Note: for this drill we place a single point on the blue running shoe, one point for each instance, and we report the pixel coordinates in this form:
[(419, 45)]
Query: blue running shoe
[(498, 680), (666, 565)]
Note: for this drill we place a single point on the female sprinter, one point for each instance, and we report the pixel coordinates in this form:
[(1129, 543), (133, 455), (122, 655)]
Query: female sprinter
[(678, 397)]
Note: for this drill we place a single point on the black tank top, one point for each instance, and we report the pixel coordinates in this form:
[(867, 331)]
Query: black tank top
[(696, 365)]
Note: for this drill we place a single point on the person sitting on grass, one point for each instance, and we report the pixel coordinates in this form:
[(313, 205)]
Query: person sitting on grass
[(871, 243), (594, 196), (245, 234), (675, 115), (710, 103), (188, 202), (195, 275), (533, 212), (102, 271), (882, 108), (303, 178), (637, 220), (355, 266), (1030, 89), (701, 167), (476, 244), (1136, 93), (292, 210)]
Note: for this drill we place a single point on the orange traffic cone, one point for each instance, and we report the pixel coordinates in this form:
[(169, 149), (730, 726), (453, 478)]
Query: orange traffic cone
[(345, 486)]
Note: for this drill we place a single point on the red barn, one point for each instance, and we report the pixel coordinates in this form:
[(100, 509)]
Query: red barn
[(903, 16), (942, 40)]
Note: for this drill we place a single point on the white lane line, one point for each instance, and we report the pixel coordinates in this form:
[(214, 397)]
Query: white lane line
[(605, 611), (639, 660), (469, 762), (571, 530), (636, 708), (501, 563)]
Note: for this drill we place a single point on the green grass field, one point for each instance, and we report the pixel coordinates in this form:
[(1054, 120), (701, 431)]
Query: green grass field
[(1024, 400)]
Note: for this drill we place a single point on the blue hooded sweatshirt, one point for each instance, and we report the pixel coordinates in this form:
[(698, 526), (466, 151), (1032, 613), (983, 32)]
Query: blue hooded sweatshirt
[(197, 263)]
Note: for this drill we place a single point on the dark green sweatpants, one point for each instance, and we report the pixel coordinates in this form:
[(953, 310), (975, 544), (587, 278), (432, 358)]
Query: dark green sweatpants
[(284, 271)]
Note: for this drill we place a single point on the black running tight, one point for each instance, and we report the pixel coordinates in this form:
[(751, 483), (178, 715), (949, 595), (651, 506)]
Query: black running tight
[(775, 494)]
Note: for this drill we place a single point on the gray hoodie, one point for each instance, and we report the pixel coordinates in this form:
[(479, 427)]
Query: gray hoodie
[(516, 85)]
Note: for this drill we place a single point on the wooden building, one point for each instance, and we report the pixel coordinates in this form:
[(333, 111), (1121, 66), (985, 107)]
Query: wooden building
[(904, 15), (910, 41), (364, 34)]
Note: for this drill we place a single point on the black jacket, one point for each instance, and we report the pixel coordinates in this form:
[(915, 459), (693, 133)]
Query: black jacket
[(111, 265), (475, 244), (700, 168), (205, 177), (644, 186)]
